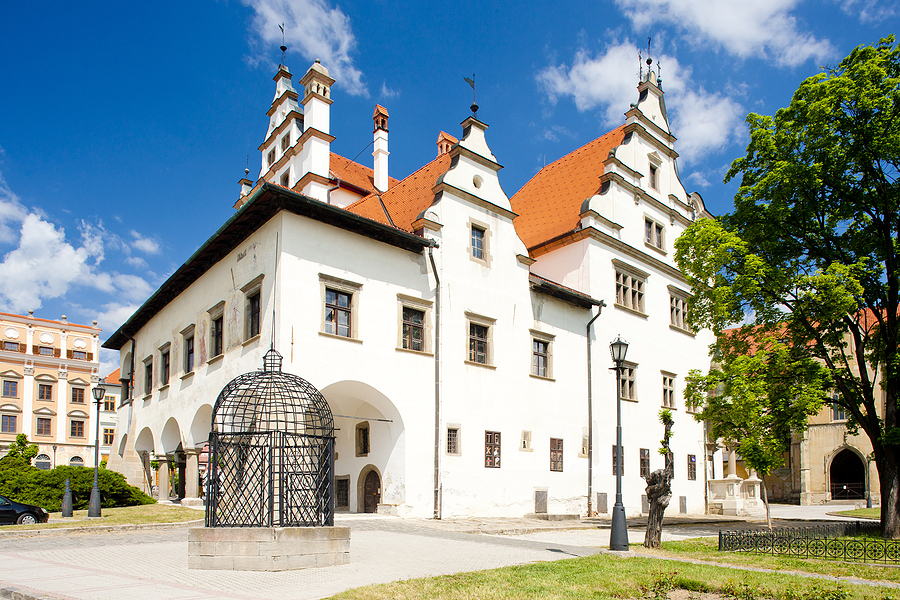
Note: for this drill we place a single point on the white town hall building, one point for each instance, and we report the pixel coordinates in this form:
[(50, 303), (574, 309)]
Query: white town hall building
[(447, 324)]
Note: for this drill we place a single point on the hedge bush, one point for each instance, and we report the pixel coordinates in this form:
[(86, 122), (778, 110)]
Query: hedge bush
[(22, 482)]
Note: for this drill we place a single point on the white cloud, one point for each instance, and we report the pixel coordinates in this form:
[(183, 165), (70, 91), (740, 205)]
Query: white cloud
[(137, 262), (699, 179), (45, 265), (114, 315), (315, 30), (762, 28), (132, 287), (387, 92), (704, 122), (552, 133), (144, 244), (12, 212), (870, 11), (109, 361)]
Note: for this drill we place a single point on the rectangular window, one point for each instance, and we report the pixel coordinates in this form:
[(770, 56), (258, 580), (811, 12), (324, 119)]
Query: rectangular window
[(270, 158), (342, 492), (628, 388), (654, 233), (45, 351), (286, 141), (645, 462), (189, 353), (148, 377), (217, 335), (76, 429), (413, 329), (629, 291), (615, 460), (8, 424), (540, 358), (362, 439), (77, 395), (79, 355), (453, 440), (478, 242), (556, 454), (492, 449), (11, 346), (253, 312), (478, 343), (109, 404), (838, 412), (286, 179), (678, 312), (668, 391), (337, 312), (109, 435), (654, 177), (43, 426), (10, 389), (164, 367), (692, 467), (45, 391)]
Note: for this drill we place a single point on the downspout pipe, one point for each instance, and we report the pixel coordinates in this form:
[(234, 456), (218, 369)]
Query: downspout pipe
[(590, 487), (437, 382)]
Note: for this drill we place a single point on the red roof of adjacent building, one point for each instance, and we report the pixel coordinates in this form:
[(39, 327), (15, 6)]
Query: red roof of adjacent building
[(405, 200), (112, 378), (549, 205), (354, 173)]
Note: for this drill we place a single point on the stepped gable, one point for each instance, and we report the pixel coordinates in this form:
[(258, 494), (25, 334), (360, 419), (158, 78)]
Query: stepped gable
[(549, 205), (406, 199), (357, 175)]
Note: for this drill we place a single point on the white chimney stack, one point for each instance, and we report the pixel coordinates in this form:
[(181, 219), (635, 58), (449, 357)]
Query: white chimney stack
[(380, 116)]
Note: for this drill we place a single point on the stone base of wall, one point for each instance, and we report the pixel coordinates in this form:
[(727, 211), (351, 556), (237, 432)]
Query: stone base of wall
[(267, 548)]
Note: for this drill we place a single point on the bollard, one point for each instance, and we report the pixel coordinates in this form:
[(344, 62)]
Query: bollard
[(67, 501), (721, 542)]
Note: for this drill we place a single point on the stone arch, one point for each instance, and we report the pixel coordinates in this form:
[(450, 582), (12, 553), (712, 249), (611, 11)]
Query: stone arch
[(200, 426), (123, 444), (847, 474), (144, 441), (361, 486), (354, 403), (171, 439)]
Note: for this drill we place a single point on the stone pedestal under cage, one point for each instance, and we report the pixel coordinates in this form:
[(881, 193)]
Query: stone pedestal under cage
[(270, 480)]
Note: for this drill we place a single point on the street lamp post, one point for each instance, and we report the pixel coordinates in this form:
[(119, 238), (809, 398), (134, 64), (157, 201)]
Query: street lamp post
[(618, 536), (94, 507)]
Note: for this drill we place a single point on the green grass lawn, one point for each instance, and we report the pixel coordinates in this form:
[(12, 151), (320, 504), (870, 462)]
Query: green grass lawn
[(598, 577), (128, 515), (862, 513)]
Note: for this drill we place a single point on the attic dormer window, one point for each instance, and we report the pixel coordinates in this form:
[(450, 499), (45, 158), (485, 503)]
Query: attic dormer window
[(654, 177), (285, 142), (270, 158)]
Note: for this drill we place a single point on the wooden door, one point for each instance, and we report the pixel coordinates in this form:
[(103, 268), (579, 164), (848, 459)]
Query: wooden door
[(372, 494)]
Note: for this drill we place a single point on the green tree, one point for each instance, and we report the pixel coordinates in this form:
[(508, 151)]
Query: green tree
[(809, 255), (22, 449), (760, 391)]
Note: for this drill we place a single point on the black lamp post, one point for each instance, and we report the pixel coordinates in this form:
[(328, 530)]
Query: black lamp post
[(94, 507), (618, 536)]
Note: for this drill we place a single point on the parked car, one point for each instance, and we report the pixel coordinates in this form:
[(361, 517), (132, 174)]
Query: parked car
[(16, 512)]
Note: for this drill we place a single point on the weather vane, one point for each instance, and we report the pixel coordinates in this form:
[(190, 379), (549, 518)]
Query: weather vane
[(283, 47), (474, 106)]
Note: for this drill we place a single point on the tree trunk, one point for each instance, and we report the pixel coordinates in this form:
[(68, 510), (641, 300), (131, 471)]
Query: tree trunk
[(765, 499), (889, 479), (659, 492)]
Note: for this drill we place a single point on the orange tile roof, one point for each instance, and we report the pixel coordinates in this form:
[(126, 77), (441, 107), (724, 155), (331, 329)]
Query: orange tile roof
[(549, 205), (55, 322), (355, 174), (406, 199), (112, 378)]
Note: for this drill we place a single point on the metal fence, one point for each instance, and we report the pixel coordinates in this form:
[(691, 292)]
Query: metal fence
[(845, 541)]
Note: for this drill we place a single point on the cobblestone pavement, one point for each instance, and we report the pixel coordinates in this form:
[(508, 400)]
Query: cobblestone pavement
[(152, 563)]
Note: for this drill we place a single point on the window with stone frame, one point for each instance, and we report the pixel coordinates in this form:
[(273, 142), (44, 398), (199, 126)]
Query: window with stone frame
[(615, 460), (362, 439), (630, 287), (654, 177), (286, 141), (164, 365), (628, 382), (479, 332), (188, 349), (556, 454), (45, 392), (541, 354), (217, 336), (76, 428), (286, 178), (413, 329), (654, 234), (678, 303), (668, 390), (109, 435), (77, 395), (253, 314), (453, 441), (838, 412), (478, 242), (43, 426), (9, 424), (645, 462), (492, 449), (10, 389), (148, 376), (270, 157), (338, 314), (342, 493), (109, 403)]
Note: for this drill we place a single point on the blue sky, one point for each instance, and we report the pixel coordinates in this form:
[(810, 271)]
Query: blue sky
[(125, 127)]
